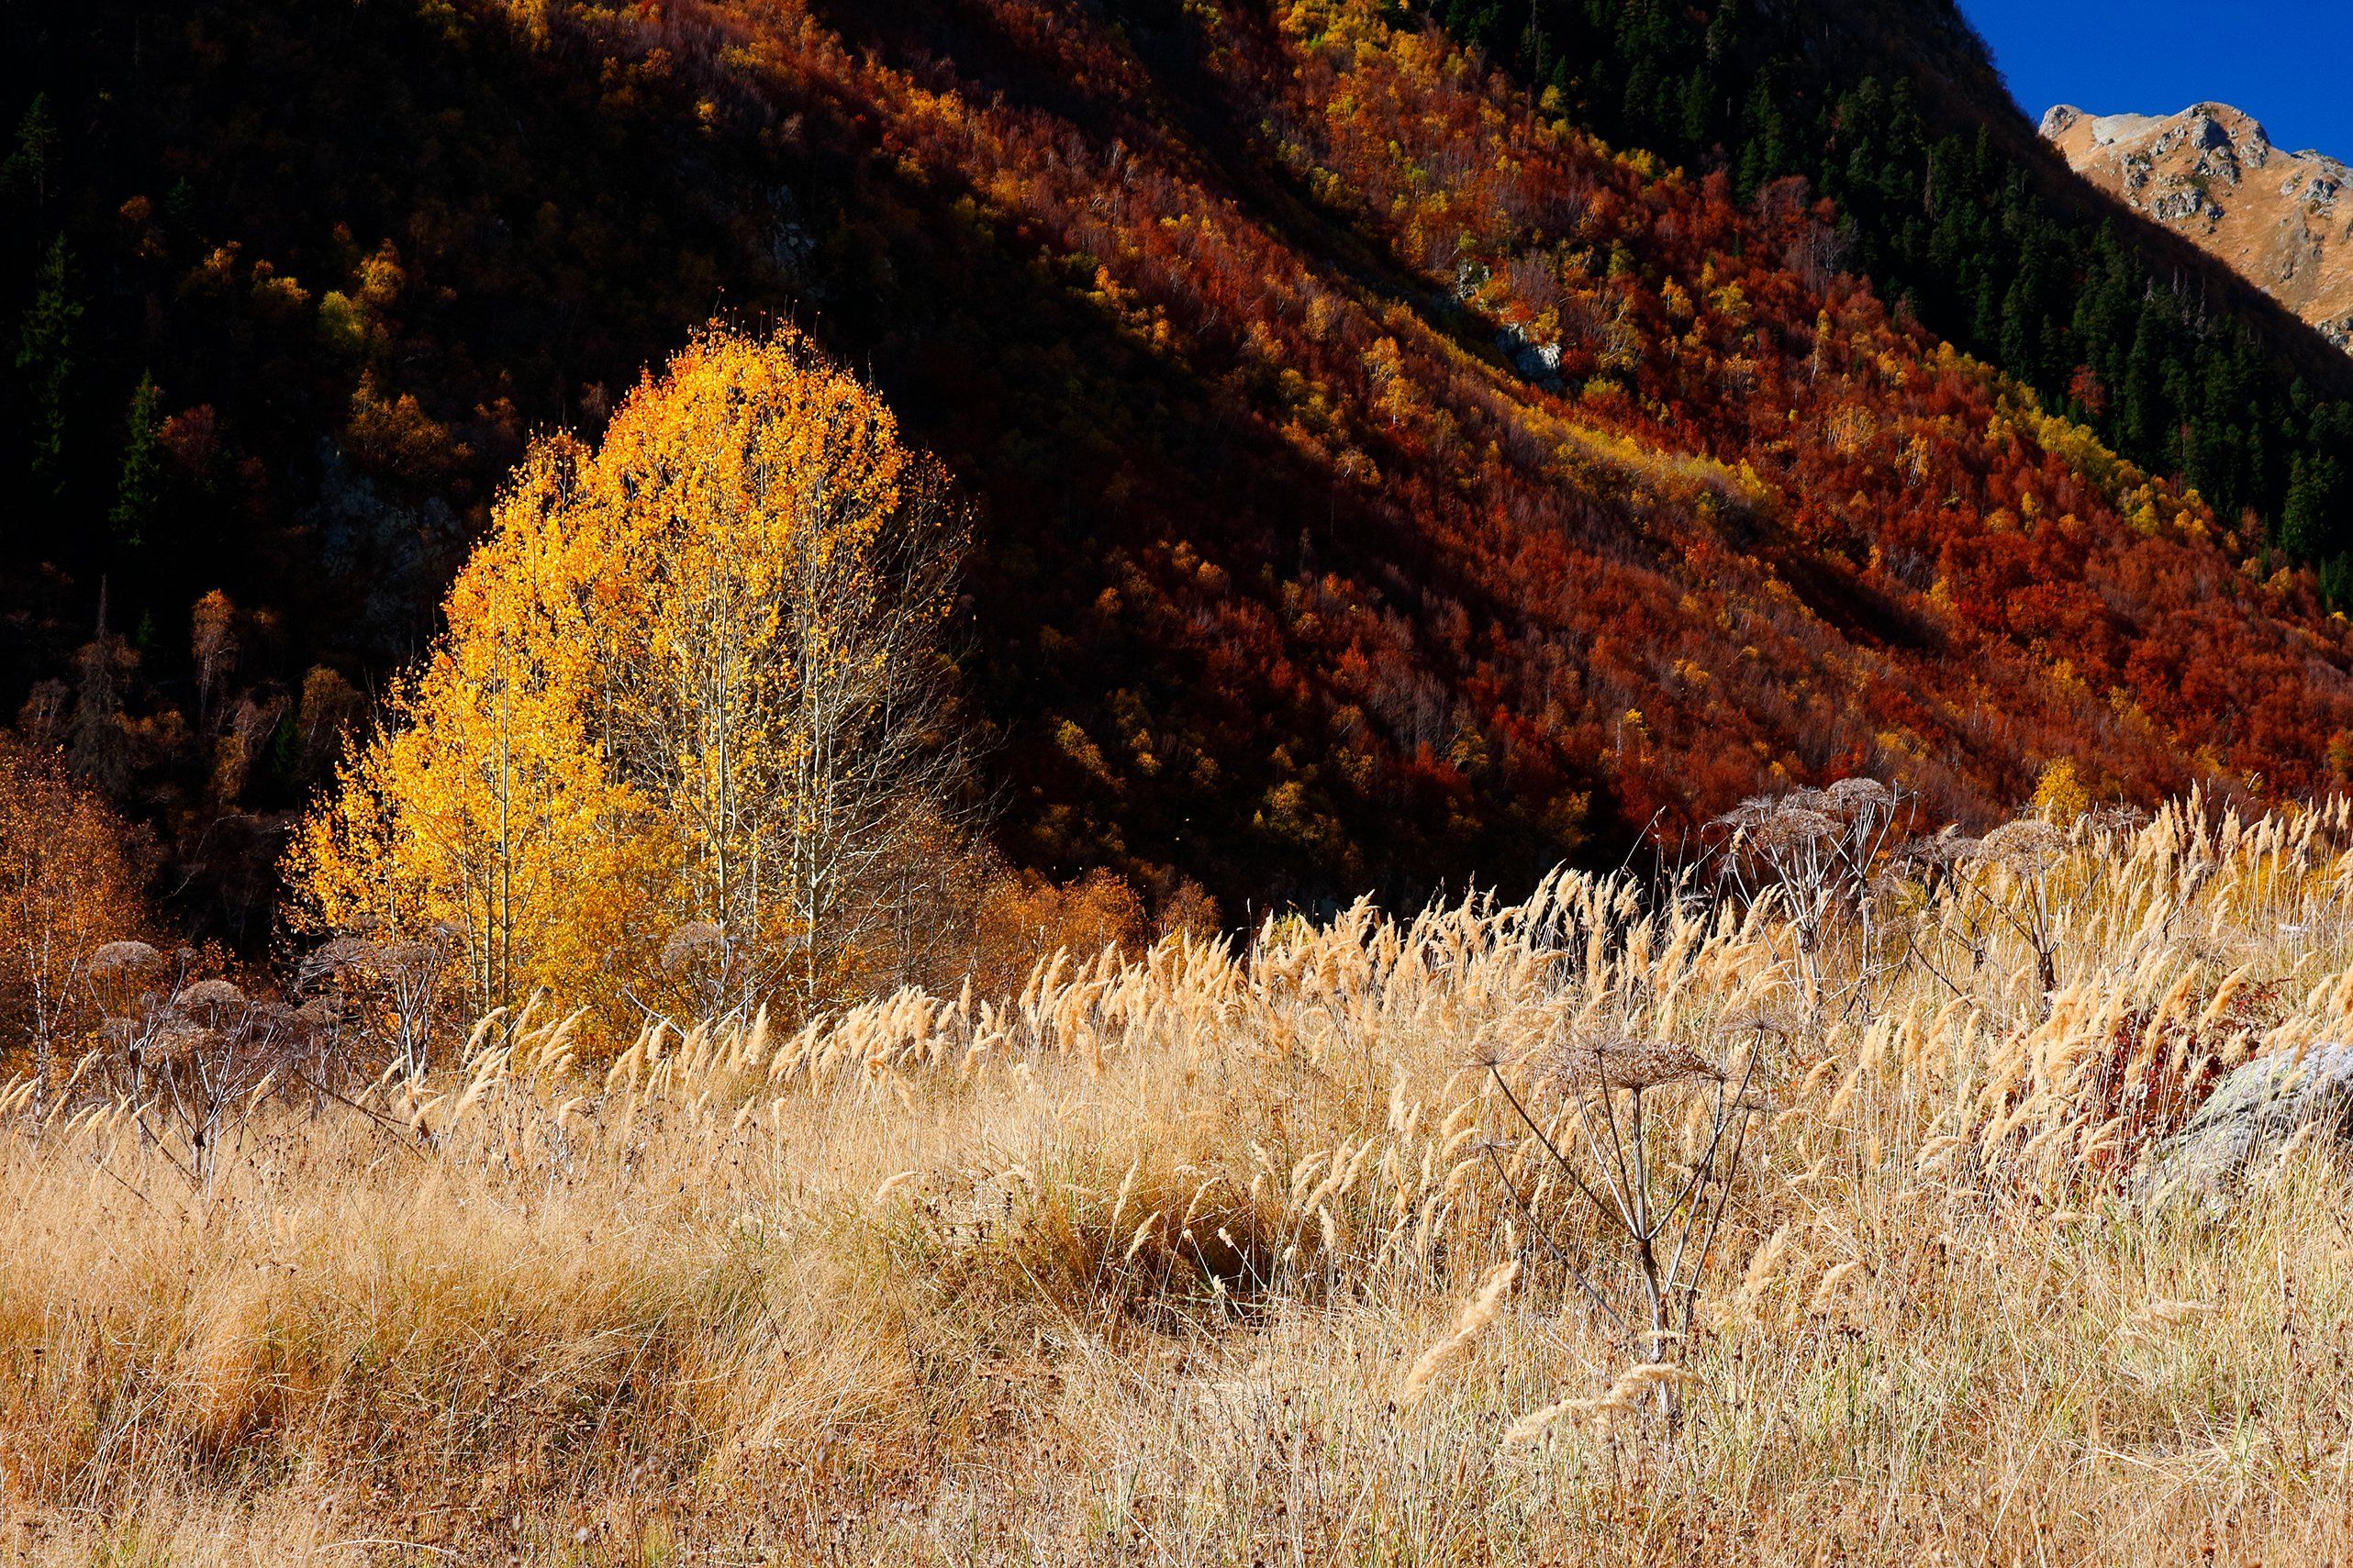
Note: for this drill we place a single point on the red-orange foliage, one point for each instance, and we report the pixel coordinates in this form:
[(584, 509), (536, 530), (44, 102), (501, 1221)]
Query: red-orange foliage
[(1382, 480), (1628, 490), (68, 883)]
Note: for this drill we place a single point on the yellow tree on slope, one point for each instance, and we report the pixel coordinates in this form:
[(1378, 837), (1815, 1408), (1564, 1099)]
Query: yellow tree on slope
[(687, 718)]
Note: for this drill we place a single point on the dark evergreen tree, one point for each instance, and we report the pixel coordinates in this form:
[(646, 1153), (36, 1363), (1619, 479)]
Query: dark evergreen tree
[(138, 485), (45, 366), (31, 163)]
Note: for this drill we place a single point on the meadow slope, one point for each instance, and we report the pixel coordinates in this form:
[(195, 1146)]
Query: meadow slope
[(1216, 1256)]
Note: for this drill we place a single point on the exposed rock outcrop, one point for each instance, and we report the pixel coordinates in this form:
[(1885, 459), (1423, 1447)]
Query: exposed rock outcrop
[(2252, 1113), (2212, 174)]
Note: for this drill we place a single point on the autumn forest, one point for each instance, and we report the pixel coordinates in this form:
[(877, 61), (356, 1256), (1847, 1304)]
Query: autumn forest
[(1378, 480)]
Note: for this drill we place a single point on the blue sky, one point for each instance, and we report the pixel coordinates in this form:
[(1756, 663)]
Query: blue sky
[(2281, 61)]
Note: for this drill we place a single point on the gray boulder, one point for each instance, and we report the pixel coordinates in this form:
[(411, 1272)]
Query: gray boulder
[(1537, 361), (2252, 1113)]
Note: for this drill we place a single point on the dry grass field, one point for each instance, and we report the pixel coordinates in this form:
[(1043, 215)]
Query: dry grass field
[(1244, 1256)]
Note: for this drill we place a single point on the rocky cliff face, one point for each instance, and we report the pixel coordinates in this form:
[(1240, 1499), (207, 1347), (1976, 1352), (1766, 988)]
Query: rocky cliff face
[(2284, 220)]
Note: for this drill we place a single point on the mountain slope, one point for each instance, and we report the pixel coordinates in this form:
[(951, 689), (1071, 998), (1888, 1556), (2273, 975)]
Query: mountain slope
[(1381, 481), (2211, 174), (1951, 204)]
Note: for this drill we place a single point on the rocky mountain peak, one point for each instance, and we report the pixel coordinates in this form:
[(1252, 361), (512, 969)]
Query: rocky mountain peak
[(2196, 172)]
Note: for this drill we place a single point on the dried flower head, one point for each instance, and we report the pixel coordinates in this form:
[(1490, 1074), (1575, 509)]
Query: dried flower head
[(1584, 1065), (181, 1041), (2116, 818), (418, 958), (696, 942), (1856, 797), (2027, 847), (1799, 820), (209, 997), (116, 956), (342, 956), (1947, 848)]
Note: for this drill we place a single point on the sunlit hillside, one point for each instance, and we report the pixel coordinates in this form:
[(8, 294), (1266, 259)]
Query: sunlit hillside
[(1245, 1252)]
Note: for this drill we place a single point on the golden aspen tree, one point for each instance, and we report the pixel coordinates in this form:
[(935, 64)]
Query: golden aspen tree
[(793, 566), (691, 683)]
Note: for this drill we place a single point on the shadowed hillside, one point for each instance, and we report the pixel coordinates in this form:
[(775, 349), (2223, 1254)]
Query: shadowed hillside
[(1381, 481)]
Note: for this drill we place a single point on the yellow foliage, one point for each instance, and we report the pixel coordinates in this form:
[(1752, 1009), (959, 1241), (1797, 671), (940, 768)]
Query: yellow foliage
[(669, 693), (2059, 796)]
